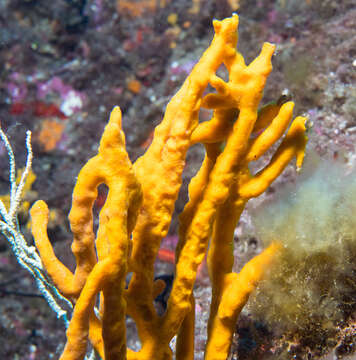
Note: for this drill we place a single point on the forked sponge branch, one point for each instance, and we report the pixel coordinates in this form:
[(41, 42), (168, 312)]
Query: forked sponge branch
[(138, 211)]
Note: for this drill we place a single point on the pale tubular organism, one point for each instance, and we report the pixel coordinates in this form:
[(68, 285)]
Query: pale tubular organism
[(27, 255), (140, 203)]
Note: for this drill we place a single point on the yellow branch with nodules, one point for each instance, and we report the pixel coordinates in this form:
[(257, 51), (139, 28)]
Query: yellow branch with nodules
[(141, 198)]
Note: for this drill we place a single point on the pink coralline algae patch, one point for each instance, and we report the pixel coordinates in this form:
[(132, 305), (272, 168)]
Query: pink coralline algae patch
[(17, 92), (72, 100), (17, 87), (185, 68), (4, 261), (272, 16), (170, 242)]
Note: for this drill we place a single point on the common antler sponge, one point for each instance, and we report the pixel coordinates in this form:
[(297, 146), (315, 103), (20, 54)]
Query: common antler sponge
[(141, 198)]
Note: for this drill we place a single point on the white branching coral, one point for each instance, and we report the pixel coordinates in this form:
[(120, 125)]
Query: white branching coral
[(26, 254)]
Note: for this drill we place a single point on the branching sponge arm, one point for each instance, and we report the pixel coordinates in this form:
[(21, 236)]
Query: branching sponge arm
[(238, 288), (140, 202), (104, 270)]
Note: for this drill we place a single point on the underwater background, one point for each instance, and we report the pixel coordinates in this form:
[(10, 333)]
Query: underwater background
[(65, 64)]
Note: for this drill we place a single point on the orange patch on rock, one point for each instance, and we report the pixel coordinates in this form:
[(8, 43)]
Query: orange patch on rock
[(138, 8), (134, 86), (50, 134)]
